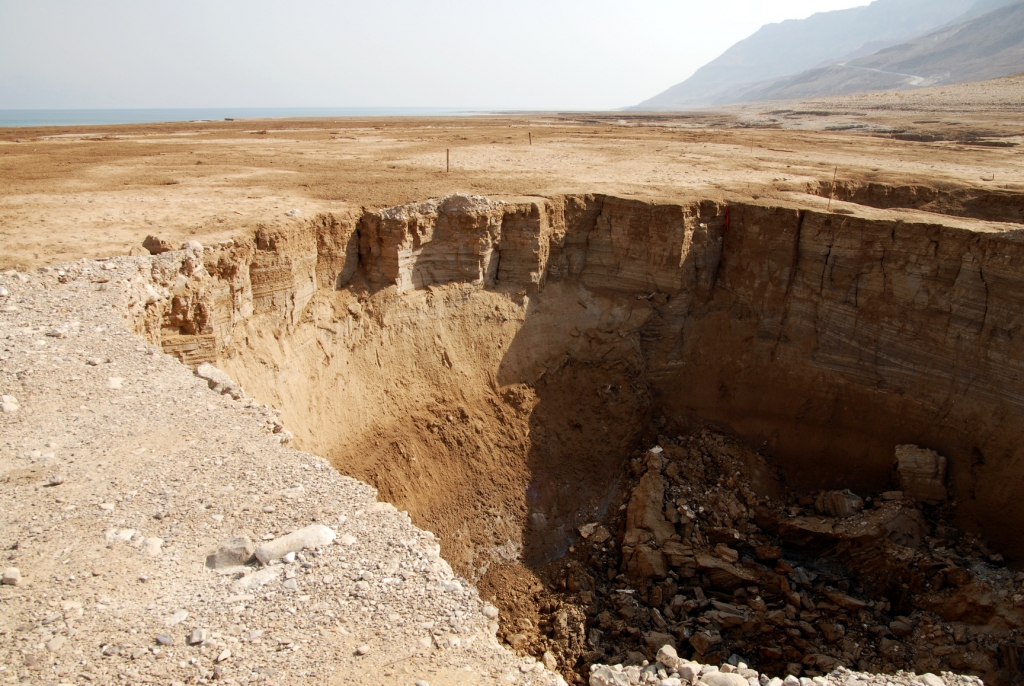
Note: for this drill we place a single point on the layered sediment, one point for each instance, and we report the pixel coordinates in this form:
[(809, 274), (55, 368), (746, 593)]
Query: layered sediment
[(491, 365)]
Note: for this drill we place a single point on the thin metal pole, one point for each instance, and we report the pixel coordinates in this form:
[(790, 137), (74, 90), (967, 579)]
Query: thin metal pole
[(448, 160)]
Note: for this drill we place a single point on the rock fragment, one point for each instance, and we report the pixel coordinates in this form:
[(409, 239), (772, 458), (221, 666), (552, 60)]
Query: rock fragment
[(152, 547), (219, 381), (156, 245), (117, 535), (841, 504), (921, 473), (668, 656), (9, 404), (12, 576), (256, 579), (602, 675), (178, 617), (722, 679), (702, 641), (234, 552), (197, 636), (313, 536)]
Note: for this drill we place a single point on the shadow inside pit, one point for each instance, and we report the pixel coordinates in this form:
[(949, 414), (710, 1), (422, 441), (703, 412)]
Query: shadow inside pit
[(583, 383)]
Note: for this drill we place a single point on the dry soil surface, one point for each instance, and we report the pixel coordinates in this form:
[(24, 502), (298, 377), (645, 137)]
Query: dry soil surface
[(73, 192), (121, 471)]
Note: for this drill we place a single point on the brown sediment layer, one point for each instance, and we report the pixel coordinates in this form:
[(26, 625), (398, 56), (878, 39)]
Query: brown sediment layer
[(491, 365)]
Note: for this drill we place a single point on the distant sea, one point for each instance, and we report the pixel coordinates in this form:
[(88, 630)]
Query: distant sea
[(98, 117)]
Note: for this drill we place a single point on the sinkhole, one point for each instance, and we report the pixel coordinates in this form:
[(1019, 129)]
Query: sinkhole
[(759, 433)]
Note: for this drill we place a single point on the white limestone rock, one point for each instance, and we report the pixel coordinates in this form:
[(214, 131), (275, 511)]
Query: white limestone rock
[(12, 577), (313, 536)]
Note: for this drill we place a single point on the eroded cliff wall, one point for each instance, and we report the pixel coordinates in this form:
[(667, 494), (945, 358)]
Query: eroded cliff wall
[(535, 338)]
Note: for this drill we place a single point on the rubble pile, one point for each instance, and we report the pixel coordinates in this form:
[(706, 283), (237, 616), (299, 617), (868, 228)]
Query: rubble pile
[(707, 551), (670, 670)]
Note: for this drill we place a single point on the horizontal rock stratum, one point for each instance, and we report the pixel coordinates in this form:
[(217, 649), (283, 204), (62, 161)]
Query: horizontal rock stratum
[(835, 337), (490, 365)]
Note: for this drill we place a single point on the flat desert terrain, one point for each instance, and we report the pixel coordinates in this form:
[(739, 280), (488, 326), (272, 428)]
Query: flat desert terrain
[(71, 192)]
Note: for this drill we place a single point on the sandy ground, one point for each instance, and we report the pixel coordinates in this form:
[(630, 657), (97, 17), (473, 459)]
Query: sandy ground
[(74, 192)]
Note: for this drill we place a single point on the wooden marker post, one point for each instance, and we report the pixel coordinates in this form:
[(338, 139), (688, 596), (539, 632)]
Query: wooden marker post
[(832, 195), (448, 161), (530, 133)]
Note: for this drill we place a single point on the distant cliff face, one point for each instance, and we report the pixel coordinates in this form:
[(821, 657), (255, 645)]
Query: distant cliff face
[(791, 47)]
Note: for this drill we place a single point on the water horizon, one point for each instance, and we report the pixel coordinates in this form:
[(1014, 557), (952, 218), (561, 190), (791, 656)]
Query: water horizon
[(25, 118)]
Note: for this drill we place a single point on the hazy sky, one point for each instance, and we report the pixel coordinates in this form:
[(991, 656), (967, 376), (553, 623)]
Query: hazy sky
[(565, 54)]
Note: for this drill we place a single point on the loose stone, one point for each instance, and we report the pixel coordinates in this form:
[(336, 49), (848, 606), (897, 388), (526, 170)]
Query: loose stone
[(314, 536), (12, 577), (234, 552)]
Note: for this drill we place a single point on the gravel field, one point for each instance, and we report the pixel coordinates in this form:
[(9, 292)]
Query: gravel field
[(122, 471)]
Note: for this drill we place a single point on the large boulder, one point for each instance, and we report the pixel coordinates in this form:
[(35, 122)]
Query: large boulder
[(647, 529), (921, 473), (646, 509)]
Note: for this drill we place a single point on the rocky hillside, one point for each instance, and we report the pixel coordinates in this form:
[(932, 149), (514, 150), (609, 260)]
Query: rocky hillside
[(790, 47), (984, 47)]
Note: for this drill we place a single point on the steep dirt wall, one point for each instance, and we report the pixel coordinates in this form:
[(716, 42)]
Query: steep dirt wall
[(489, 364), (838, 338), (977, 203)]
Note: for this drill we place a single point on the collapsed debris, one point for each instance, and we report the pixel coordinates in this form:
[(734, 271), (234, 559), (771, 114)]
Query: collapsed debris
[(670, 670), (725, 568)]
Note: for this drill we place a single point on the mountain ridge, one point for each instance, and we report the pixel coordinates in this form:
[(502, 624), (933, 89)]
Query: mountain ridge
[(792, 47), (983, 47)]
